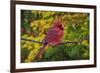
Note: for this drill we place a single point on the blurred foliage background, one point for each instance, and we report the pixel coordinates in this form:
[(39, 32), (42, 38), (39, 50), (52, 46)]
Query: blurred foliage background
[(34, 26)]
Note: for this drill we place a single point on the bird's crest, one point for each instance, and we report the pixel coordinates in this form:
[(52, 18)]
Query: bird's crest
[(58, 22)]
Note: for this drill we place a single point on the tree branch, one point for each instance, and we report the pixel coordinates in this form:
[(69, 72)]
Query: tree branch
[(76, 42), (31, 40)]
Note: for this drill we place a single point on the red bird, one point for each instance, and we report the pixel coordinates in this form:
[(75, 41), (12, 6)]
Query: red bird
[(54, 36)]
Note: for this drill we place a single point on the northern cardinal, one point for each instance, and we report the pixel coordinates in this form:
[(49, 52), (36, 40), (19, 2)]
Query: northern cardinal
[(53, 37)]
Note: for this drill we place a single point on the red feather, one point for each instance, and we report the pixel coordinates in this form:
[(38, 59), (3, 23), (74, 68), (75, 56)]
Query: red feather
[(54, 36)]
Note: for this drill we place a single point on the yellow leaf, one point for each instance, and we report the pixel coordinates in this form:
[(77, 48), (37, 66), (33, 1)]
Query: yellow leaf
[(85, 43), (30, 47), (25, 36), (36, 46), (31, 55)]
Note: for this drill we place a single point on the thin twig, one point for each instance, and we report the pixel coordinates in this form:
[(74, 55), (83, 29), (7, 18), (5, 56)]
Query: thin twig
[(31, 40), (76, 42)]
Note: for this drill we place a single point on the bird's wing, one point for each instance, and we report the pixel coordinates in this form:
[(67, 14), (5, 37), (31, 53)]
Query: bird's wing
[(51, 35)]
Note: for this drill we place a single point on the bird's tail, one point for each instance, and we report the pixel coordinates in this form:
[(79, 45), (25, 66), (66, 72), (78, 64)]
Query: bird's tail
[(41, 52)]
